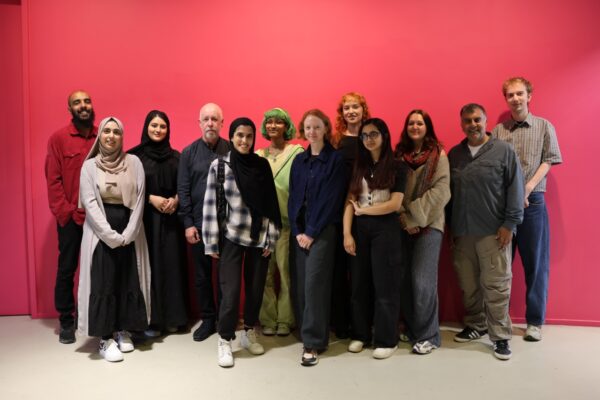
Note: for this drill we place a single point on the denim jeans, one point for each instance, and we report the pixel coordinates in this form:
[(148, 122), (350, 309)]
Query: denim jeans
[(533, 242), (420, 284)]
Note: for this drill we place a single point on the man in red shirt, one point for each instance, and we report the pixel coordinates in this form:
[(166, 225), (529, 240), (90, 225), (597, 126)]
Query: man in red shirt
[(67, 149)]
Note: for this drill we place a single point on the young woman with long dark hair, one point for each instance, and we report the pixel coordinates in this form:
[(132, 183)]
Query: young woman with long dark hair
[(422, 217), (372, 234)]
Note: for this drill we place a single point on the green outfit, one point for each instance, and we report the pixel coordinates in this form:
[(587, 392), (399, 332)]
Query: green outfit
[(277, 310)]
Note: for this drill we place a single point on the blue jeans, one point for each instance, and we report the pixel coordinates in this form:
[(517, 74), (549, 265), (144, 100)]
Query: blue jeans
[(533, 242), (420, 284)]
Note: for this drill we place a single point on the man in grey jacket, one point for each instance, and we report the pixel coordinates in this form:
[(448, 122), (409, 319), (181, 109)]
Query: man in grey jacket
[(486, 207)]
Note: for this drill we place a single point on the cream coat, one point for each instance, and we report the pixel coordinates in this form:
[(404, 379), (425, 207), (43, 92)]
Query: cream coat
[(427, 210), (96, 228)]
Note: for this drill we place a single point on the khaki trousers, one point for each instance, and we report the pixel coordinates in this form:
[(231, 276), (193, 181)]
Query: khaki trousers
[(485, 277)]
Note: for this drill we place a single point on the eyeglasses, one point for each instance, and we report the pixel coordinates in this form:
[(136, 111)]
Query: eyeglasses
[(372, 135)]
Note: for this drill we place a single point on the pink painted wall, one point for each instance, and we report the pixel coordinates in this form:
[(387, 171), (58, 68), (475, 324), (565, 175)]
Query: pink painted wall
[(14, 287), (249, 56)]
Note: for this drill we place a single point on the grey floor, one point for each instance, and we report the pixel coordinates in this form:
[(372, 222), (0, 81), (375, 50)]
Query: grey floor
[(33, 365)]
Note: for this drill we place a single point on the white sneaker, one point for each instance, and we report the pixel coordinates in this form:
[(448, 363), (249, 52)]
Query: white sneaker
[(384, 352), (356, 346), (224, 351), (110, 351), (533, 333), (424, 347), (248, 342), (268, 331), (124, 341)]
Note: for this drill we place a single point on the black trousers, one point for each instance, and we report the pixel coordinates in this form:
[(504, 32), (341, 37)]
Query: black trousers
[(313, 272), (375, 276), (234, 259), (205, 298), (69, 244), (340, 299)]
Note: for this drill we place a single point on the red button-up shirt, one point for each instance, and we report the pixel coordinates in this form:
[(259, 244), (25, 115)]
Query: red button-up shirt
[(67, 150)]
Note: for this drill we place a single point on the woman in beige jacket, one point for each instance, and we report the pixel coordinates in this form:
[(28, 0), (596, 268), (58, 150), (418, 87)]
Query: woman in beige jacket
[(114, 277), (422, 217)]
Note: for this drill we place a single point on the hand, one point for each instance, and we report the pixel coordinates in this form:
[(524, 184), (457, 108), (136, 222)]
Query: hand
[(413, 231), (349, 245), (158, 202), (171, 205), (504, 237), (528, 189), (357, 209), (304, 241), (191, 235), (403, 220), (214, 255), (266, 252)]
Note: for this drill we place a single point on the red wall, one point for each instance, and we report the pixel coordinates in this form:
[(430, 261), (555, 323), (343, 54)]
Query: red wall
[(250, 56), (14, 288)]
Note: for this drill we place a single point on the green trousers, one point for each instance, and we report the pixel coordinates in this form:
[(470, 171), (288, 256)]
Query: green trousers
[(277, 308)]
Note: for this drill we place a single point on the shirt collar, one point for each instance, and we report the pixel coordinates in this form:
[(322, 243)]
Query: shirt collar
[(323, 155), (74, 132), (526, 123)]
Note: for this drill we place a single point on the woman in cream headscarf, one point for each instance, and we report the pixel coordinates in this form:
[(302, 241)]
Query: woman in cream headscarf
[(114, 279)]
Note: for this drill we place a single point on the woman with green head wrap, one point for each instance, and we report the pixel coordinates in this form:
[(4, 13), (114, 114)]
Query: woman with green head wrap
[(276, 315)]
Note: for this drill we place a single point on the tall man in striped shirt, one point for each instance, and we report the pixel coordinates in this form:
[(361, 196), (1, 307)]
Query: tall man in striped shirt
[(534, 141)]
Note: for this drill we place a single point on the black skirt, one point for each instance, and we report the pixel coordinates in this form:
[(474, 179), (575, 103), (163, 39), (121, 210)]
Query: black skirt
[(168, 263), (116, 302)]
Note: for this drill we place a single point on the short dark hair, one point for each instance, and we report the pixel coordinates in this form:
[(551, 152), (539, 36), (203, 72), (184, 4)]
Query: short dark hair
[(471, 107)]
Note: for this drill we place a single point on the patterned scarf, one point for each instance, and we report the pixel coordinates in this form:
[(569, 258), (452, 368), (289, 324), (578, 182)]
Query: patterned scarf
[(429, 158)]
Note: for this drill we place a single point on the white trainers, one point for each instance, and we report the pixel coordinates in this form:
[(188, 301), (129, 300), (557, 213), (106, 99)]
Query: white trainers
[(356, 346), (424, 347), (248, 342), (124, 341), (533, 333), (268, 331), (110, 351), (381, 353), (224, 351)]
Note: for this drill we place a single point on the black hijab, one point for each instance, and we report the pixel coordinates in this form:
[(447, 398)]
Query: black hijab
[(254, 180), (159, 159), (158, 151)]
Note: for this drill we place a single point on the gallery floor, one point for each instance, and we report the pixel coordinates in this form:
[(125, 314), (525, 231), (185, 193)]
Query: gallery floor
[(34, 365)]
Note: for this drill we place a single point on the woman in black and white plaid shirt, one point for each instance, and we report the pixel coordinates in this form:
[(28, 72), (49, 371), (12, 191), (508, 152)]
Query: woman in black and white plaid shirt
[(241, 224)]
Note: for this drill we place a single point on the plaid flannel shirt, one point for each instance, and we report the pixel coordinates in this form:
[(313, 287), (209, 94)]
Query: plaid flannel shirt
[(238, 221)]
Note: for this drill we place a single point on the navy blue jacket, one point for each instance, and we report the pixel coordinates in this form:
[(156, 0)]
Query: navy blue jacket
[(319, 183)]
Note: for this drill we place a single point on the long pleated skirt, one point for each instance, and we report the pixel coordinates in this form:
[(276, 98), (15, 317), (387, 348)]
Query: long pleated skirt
[(116, 300)]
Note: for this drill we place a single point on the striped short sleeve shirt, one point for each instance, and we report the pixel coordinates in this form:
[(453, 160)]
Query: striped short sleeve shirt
[(534, 140)]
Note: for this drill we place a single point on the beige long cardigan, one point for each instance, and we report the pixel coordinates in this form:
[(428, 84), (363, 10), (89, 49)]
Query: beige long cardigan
[(96, 228), (427, 210)]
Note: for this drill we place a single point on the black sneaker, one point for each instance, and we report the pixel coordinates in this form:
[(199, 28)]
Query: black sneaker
[(502, 350), (66, 335), (309, 357), (468, 334), (207, 327)]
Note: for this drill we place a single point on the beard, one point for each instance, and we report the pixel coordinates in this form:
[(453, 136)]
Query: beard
[(80, 123)]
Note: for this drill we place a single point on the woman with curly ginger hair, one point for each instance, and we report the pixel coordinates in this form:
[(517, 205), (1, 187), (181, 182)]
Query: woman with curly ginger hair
[(352, 111)]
